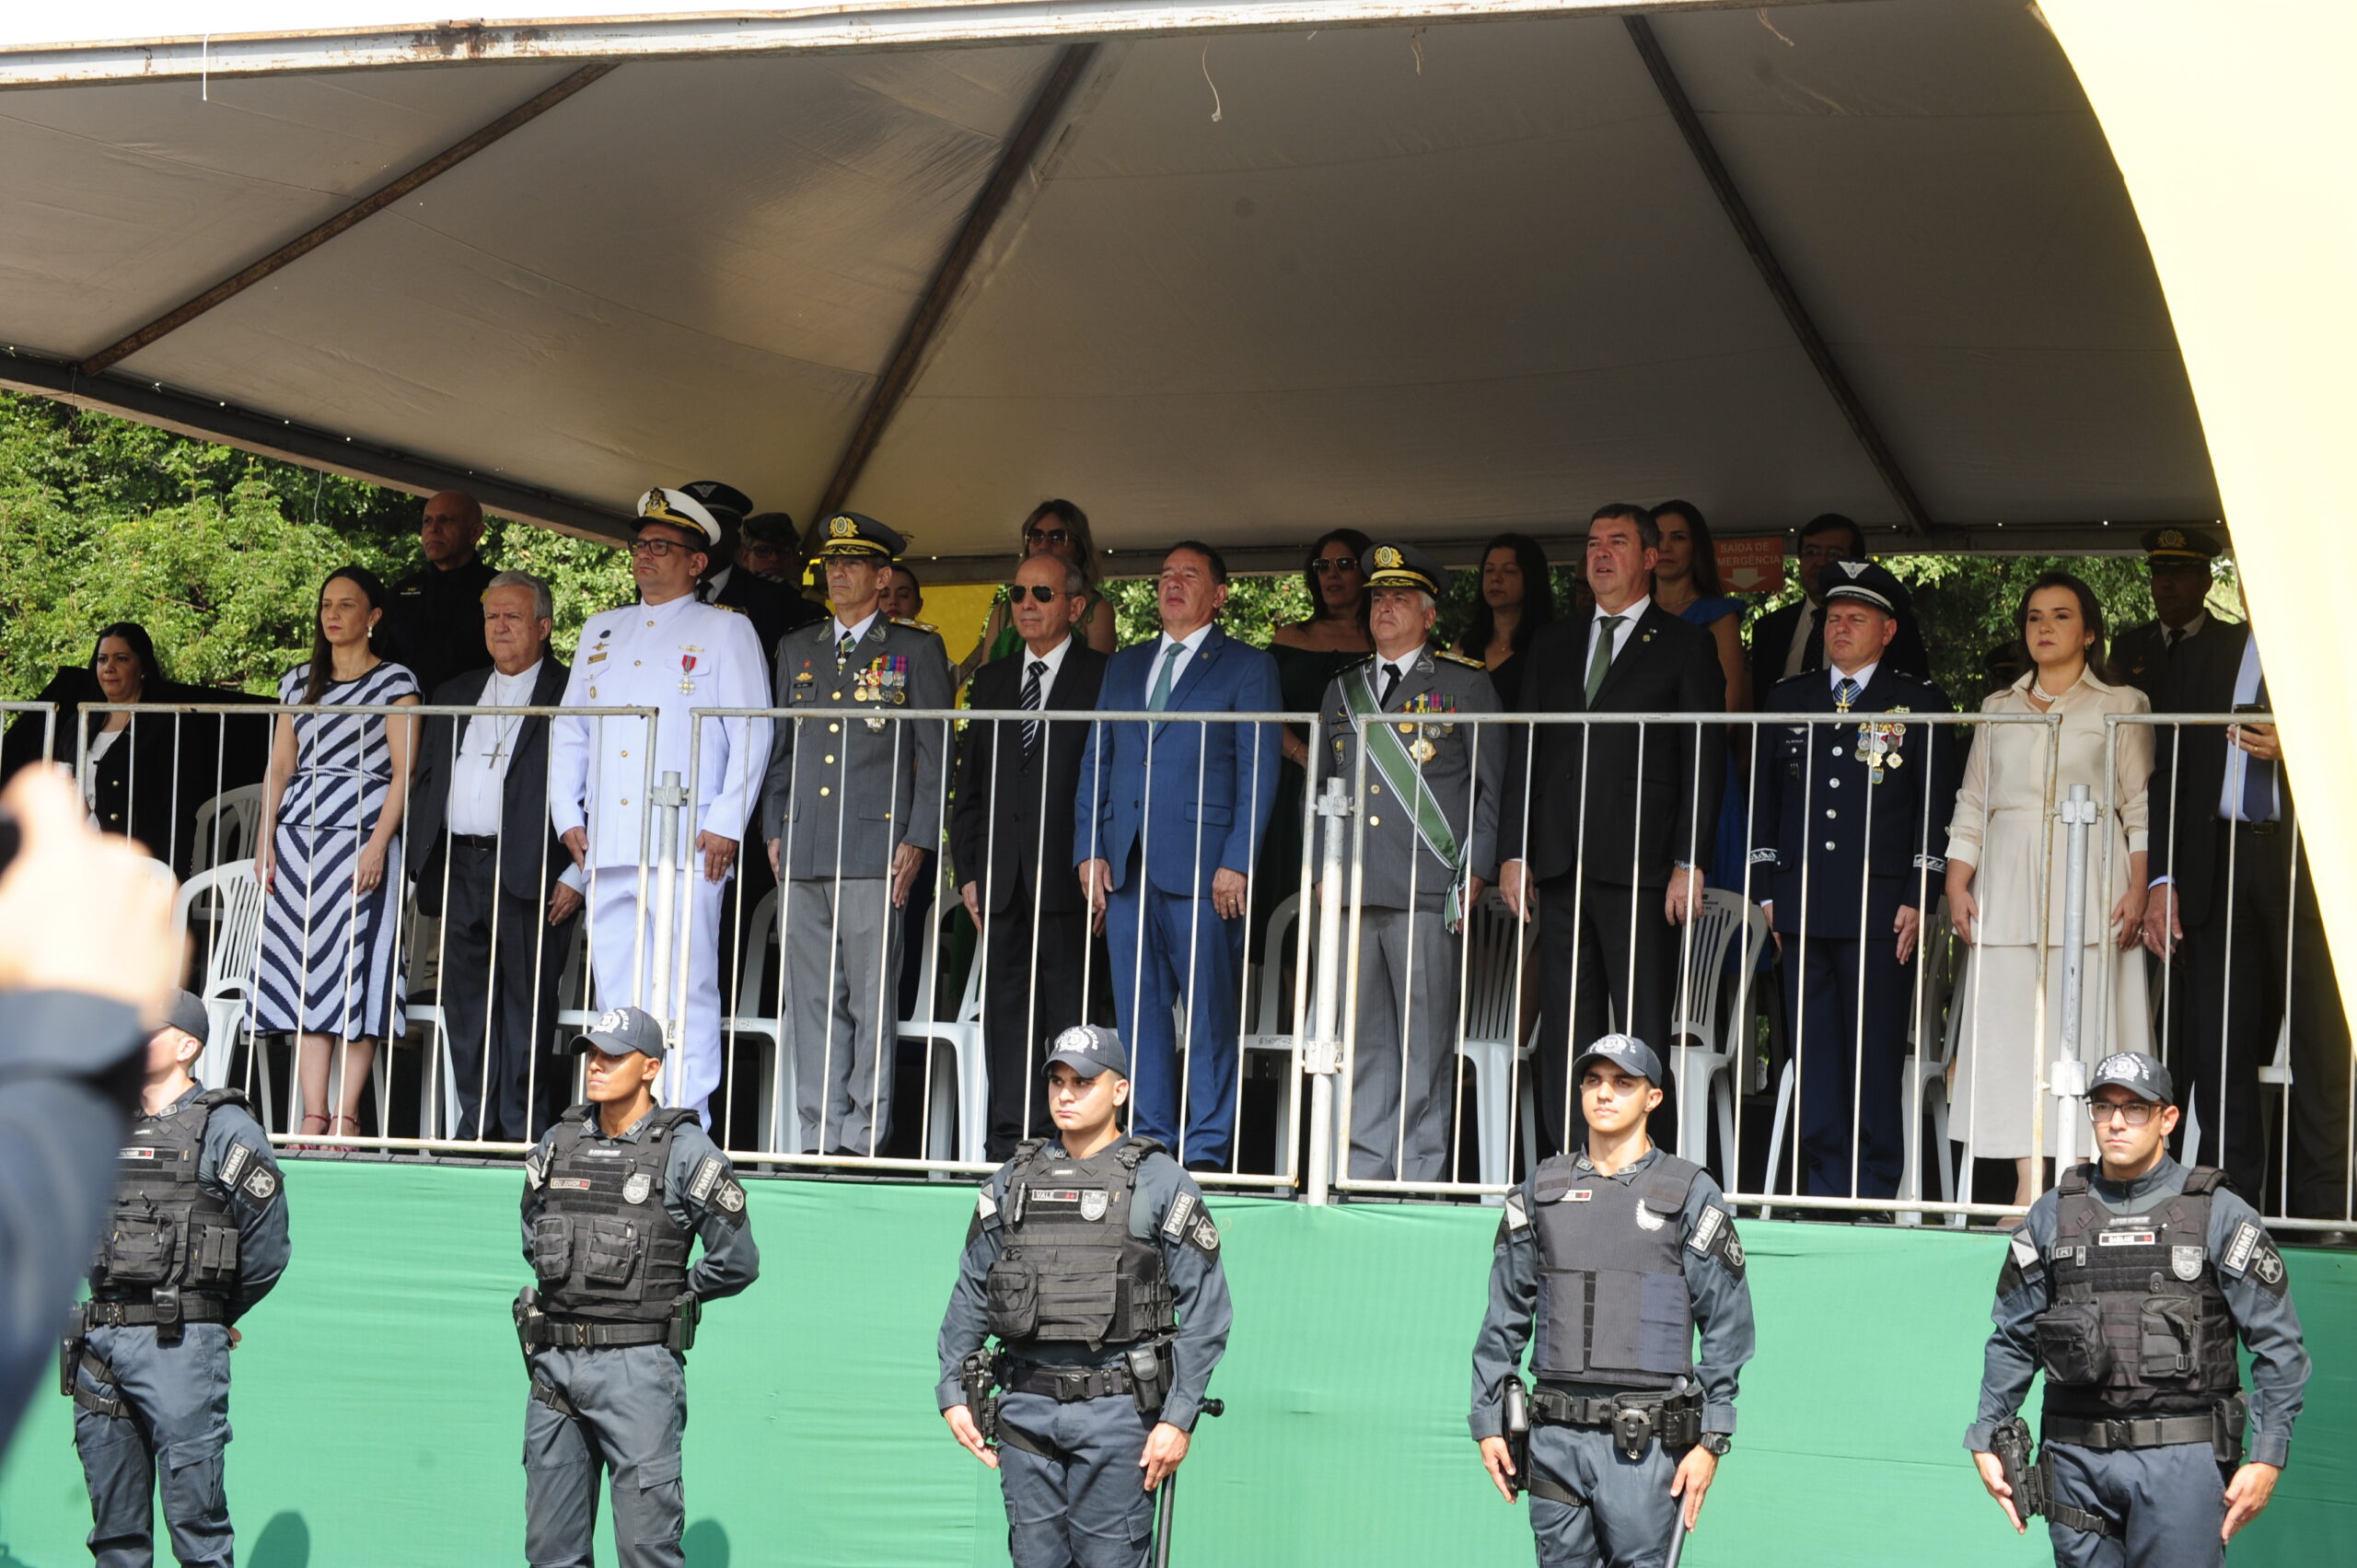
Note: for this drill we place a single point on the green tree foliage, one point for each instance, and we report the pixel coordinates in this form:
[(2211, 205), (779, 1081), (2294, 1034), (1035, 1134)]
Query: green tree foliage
[(218, 554)]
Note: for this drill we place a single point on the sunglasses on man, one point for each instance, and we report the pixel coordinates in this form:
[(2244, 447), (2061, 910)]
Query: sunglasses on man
[(1040, 592)]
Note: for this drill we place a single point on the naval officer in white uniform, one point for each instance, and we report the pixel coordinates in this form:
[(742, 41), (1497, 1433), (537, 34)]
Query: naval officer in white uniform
[(674, 654)]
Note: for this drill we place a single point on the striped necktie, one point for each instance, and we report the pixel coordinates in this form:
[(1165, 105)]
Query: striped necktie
[(1031, 705)]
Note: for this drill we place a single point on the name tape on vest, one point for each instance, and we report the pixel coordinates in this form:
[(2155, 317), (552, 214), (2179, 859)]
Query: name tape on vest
[(570, 1183), (1055, 1195), (2126, 1238), (138, 1153)]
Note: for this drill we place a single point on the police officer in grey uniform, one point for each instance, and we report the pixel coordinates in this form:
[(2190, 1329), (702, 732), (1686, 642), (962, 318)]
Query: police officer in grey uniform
[(614, 1197), (853, 809), (2127, 1285), (1429, 847), (1619, 1253), (1093, 1261), (197, 1235)]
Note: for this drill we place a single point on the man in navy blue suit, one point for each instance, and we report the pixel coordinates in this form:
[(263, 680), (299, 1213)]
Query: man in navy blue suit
[(1168, 819), (1848, 836)]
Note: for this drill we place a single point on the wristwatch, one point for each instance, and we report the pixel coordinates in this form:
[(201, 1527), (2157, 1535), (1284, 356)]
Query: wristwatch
[(1717, 1442)]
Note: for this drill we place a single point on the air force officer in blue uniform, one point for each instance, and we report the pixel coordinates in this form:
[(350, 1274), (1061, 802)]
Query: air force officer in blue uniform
[(1846, 854), (1166, 826)]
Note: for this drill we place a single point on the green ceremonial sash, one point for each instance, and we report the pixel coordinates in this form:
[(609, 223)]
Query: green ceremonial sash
[(1389, 756)]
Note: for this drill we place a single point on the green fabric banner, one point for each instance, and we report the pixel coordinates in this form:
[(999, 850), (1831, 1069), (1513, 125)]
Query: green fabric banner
[(379, 1397)]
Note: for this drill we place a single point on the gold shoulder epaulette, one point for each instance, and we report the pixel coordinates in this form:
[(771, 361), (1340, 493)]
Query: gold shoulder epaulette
[(1455, 657), (917, 625)]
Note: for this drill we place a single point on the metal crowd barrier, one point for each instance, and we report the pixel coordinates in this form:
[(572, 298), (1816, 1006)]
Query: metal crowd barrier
[(2019, 1020), (16, 714)]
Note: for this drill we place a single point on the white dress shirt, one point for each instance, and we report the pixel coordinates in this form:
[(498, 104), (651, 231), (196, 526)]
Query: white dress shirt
[(1800, 629), (2238, 762), (1629, 615), (1054, 659), (1834, 678), (479, 777), (856, 633), (1190, 645)]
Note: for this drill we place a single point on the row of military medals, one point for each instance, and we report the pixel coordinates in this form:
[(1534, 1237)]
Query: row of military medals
[(1422, 750), (1877, 743), (886, 681)]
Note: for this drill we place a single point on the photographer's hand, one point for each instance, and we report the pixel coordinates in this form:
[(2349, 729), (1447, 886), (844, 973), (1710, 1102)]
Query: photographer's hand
[(80, 910)]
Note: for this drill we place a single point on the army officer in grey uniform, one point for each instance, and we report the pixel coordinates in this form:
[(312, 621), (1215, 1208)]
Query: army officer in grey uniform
[(1619, 1253), (1093, 1261), (2128, 1285), (616, 1195), (852, 809), (1427, 848), (196, 1238)]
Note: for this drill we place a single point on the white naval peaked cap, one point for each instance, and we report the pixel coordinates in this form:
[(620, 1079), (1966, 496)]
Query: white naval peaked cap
[(681, 510)]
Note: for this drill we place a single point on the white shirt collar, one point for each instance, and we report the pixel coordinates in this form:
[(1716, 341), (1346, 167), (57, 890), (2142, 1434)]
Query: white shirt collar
[(1053, 659), (521, 681), (1864, 678), (1628, 614), (2192, 627), (1192, 642), (715, 581), (858, 632)]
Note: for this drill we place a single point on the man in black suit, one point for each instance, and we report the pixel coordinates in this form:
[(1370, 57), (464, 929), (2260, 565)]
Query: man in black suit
[(2230, 883), (481, 847), (773, 608), (1610, 825), (2178, 560), (1009, 838), (1790, 641), (434, 620)]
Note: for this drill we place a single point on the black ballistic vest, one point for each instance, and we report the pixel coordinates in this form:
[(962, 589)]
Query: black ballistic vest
[(166, 1229), (1068, 1270), (1613, 1306), (2139, 1324), (604, 1247)]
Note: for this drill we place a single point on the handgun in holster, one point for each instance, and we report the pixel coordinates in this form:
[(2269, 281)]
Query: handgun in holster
[(2032, 1492), (686, 1313), (1517, 1400), (978, 1376), (1150, 1376), (69, 1352), (528, 1317)]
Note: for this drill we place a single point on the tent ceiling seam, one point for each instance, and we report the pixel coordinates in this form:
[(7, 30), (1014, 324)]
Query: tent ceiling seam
[(1772, 273), (899, 375), (376, 201)]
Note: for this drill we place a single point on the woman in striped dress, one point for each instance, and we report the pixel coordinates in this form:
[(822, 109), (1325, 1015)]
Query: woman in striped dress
[(329, 866)]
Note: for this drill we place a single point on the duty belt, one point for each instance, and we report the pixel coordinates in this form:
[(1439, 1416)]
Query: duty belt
[(143, 1314), (1066, 1384), (2129, 1432), (579, 1334)]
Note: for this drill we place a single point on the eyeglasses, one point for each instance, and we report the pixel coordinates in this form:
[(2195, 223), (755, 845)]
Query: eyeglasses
[(2134, 1112), (658, 548), (1326, 566), (1040, 592), (1048, 536)]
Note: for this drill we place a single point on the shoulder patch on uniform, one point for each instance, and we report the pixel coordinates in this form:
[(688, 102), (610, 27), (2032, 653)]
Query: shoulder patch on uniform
[(2245, 1244), (708, 1171), (1453, 657), (536, 1168), (261, 1184), (1174, 1224), (2024, 1250), (1204, 1234), (985, 1206), (233, 1164), (1706, 1228), (729, 1197), (1518, 1217)]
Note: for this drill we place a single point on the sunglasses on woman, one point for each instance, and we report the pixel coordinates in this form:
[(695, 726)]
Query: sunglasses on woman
[(1326, 566), (1049, 536)]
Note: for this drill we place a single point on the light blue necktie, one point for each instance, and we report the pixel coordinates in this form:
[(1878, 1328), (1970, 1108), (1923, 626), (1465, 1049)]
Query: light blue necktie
[(1161, 698)]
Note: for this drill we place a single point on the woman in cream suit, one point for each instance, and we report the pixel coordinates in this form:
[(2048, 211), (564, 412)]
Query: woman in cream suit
[(1998, 857)]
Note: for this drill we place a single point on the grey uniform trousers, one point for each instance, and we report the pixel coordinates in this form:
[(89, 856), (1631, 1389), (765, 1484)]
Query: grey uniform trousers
[(632, 1405), (1404, 1049), (843, 969), (1088, 1507), (2165, 1505), (1628, 1513), (177, 1422)]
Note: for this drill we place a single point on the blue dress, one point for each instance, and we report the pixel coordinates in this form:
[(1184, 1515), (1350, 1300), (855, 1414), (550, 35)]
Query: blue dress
[(327, 964), (1732, 846)]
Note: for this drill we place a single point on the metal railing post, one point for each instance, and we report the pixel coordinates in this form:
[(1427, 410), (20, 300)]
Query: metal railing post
[(669, 797), (1322, 1052), (2066, 1079)]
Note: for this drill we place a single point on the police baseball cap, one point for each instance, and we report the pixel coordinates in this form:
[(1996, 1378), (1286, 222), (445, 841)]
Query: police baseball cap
[(621, 1031), (1627, 1052), (1088, 1050), (187, 1013), (1866, 582), (852, 533), (719, 499), (2140, 1074), (681, 510), (1405, 566)]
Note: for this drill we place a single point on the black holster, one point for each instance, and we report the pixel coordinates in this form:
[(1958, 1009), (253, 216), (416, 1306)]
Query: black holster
[(977, 1377), (1150, 1375), (1517, 1400), (166, 1303), (2031, 1482), (687, 1312)]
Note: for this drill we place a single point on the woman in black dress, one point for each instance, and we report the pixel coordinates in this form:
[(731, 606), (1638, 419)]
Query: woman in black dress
[(1518, 598)]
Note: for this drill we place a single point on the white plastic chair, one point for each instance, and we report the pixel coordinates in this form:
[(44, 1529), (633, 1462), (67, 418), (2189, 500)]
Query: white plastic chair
[(1939, 1019), (1704, 1083), (1265, 1029), (967, 1118), (229, 901), (1498, 951), (238, 814)]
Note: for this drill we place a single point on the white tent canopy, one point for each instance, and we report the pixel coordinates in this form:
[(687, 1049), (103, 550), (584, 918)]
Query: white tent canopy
[(1245, 285)]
